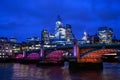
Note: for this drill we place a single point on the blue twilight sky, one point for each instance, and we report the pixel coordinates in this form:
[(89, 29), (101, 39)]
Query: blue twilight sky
[(27, 18)]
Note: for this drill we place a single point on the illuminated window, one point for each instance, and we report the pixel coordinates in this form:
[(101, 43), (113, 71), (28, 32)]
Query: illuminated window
[(3, 54)]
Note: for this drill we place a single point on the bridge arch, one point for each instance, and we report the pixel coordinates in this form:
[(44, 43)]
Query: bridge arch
[(58, 54), (63, 52), (33, 56), (95, 56), (19, 56)]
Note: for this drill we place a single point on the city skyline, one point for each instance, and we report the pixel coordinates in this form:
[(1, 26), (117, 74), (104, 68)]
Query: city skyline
[(26, 18)]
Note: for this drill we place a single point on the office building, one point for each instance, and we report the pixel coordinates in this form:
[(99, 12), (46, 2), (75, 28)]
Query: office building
[(105, 34)]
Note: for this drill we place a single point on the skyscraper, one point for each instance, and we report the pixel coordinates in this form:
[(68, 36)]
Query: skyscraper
[(60, 30), (105, 34), (45, 37), (69, 35)]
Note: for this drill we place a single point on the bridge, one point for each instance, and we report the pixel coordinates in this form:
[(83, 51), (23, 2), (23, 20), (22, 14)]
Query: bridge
[(86, 53)]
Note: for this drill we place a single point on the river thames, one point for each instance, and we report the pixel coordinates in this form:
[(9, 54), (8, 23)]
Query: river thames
[(16, 71)]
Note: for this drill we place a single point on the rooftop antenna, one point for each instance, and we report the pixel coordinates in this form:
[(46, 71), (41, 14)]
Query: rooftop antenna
[(59, 18)]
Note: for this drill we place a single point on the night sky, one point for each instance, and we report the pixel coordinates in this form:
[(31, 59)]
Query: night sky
[(27, 18)]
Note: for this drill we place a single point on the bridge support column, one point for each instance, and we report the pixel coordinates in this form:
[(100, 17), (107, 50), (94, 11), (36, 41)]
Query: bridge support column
[(41, 51), (24, 54), (75, 49)]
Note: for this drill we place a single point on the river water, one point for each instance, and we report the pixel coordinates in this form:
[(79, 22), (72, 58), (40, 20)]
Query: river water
[(16, 71)]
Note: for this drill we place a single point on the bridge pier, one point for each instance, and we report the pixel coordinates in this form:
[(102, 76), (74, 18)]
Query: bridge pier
[(41, 51), (24, 54), (76, 66)]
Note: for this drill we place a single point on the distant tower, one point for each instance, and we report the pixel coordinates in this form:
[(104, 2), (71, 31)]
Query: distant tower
[(45, 37), (85, 36), (69, 35), (60, 30)]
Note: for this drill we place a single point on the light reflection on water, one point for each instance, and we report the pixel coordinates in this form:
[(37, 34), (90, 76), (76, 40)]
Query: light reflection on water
[(17, 71)]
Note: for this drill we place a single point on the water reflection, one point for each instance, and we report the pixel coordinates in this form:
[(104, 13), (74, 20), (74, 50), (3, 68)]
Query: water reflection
[(66, 74), (111, 71), (31, 72), (5, 72)]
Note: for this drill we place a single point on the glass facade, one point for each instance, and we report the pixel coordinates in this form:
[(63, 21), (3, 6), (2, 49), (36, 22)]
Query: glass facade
[(45, 37), (105, 34)]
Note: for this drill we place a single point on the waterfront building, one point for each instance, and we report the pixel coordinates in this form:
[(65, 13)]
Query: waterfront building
[(9, 47), (24, 46), (15, 47), (32, 44), (105, 34), (5, 50), (33, 39)]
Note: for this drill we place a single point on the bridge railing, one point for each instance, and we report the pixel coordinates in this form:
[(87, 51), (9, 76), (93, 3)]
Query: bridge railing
[(59, 47), (98, 45)]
